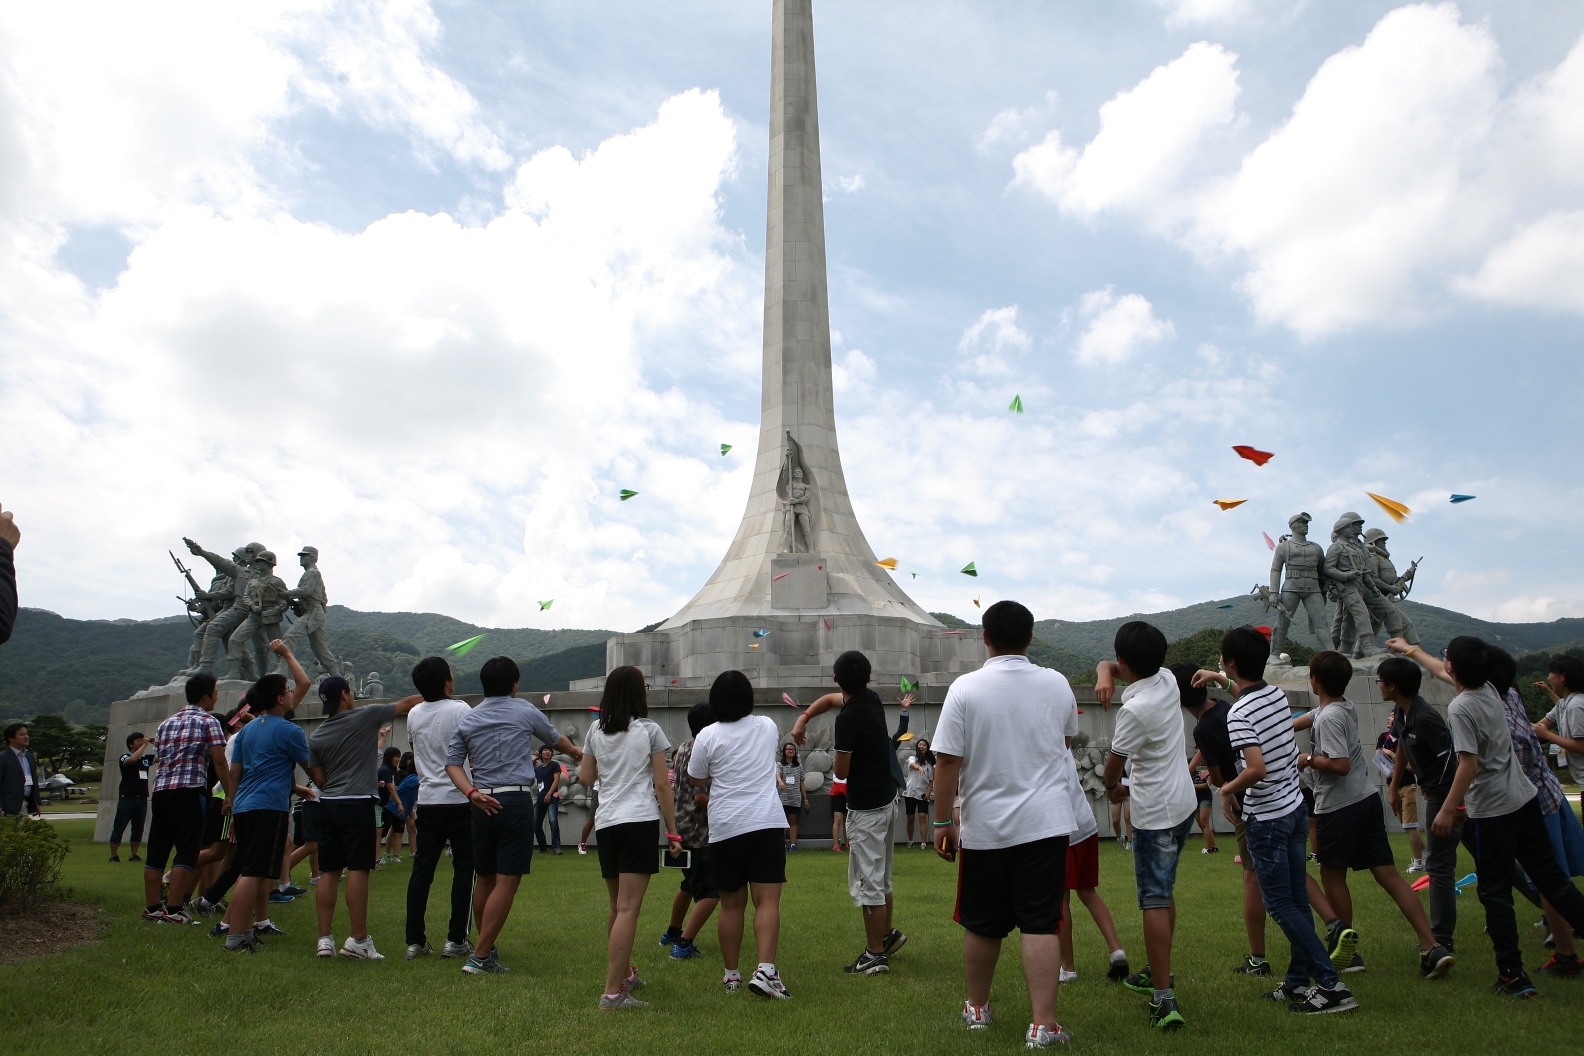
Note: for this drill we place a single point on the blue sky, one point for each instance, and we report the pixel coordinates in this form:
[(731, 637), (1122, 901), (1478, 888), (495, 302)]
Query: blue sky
[(424, 285)]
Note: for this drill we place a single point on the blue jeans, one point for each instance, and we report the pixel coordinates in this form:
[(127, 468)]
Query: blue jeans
[(1278, 847), (551, 809), (1155, 856)]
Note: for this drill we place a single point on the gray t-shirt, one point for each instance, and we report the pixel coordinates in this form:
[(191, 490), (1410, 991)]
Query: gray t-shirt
[(497, 738), (1568, 715), (347, 746), (1479, 727), (1335, 735)]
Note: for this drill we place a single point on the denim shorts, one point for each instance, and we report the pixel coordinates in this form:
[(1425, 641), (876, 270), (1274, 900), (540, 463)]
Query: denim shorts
[(1155, 854)]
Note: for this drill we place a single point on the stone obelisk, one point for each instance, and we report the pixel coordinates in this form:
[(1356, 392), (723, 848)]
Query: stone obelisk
[(799, 582)]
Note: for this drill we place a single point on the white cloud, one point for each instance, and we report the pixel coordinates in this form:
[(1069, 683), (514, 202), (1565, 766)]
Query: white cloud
[(1542, 266), (852, 372), (1117, 327), (1150, 135), (1015, 126), (852, 184), (1180, 13), (991, 336)]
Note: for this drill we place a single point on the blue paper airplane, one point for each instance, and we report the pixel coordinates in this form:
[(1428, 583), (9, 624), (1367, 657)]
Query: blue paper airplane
[(1462, 498), (761, 634)]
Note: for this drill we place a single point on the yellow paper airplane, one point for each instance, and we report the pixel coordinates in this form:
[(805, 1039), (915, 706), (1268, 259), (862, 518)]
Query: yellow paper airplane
[(1394, 509)]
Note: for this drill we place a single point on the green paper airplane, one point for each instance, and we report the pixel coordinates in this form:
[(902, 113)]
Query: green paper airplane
[(543, 605), (913, 574), (1016, 404), (627, 493), (908, 687), (970, 570), (725, 448), (466, 646)]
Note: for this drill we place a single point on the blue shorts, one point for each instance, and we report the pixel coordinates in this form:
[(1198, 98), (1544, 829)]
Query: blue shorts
[(1155, 854), (503, 841)]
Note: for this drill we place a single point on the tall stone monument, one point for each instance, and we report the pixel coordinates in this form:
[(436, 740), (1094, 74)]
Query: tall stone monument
[(799, 584)]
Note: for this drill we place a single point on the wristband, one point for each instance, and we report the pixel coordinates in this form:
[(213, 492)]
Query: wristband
[(673, 836), (469, 793), (1412, 649), (941, 824)]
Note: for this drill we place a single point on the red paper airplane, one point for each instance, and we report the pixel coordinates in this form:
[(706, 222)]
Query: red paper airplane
[(1253, 454), (1268, 540)]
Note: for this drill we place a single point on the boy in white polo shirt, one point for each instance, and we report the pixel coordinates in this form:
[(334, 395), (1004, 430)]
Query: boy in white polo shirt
[(1149, 736)]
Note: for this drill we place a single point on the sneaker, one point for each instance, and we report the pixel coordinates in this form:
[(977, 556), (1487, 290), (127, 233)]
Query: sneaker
[(976, 1017), (115, 858), (1119, 967), (416, 950), (476, 965), (1068, 977), (610, 1002), (869, 964), (1313, 857), (1252, 965), (768, 984), (456, 949), (202, 907), (294, 891), (313, 881), (280, 896), (556, 852), (1344, 945), (1437, 963), (266, 927), (1040, 1036), (179, 916), (242, 945), (893, 941), (1144, 983), (1355, 965), (1320, 1001), (1285, 995), (732, 983), (1515, 986), (1211, 850), (219, 930), (1165, 1015), (326, 946), (687, 950), (361, 951), (1562, 966), (582, 848), (791, 846), (671, 937), (1416, 865), (632, 982), (134, 858)]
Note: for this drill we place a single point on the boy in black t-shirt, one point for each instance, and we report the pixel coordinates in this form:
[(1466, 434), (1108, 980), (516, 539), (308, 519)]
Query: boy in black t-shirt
[(132, 803)]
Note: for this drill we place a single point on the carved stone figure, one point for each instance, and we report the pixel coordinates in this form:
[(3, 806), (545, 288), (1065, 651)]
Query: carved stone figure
[(1348, 562), (1304, 565), (265, 600), (798, 501), (309, 602), (206, 605), (373, 688), (220, 628), (1389, 589)]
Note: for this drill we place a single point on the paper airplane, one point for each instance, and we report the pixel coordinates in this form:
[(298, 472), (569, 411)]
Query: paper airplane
[(1223, 606), (1016, 404), (777, 579), (976, 603), (465, 646), (786, 698), (827, 624), (913, 574), (1268, 540), (761, 634), (1462, 498), (970, 570), (1394, 509), (753, 645), (594, 708), (1253, 454), (906, 686), (1227, 504), (725, 448), (888, 563), (547, 698), (905, 737), (627, 493), (543, 605)]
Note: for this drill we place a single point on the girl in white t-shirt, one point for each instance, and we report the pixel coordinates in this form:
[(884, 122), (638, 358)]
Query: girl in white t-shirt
[(626, 753)]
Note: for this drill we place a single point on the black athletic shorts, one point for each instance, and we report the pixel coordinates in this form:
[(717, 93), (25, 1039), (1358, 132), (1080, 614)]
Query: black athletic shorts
[(839, 803), (698, 879), (392, 821), (503, 842), (1012, 887), (1308, 798), (630, 848), (305, 822), (915, 806), (1355, 836), (261, 842), (1204, 797), (214, 829), (347, 834), (792, 810), (753, 858), (178, 825)]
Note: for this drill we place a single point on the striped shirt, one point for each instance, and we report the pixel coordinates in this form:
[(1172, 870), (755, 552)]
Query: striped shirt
[(182, 743), (1261, 718)]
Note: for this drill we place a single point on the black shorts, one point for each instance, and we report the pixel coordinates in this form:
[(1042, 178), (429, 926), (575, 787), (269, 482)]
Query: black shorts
[(1355, 836), (392, 821), (698, 879), (346, 835), (753, 858), (1308, 798), (1012, 887), (791, 810), (1204, 798), (214, 825), (503, 842), (915, 806), (306, 821), (178, 825), (630, 848), (261, 842), (838, 803)]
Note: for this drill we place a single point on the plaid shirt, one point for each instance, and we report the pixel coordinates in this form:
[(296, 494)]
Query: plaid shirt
[(1531, 755), (182, 745), (691, 819)]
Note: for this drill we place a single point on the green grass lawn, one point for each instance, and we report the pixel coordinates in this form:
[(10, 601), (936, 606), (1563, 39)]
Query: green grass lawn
[(163, 989)]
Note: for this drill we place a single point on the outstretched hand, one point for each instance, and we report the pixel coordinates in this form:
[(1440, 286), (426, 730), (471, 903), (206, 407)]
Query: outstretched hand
[(1202, 677), (906, 701), (8, 529), (279, 648)]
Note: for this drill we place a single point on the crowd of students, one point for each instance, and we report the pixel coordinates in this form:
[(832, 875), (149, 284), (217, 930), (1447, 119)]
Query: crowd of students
[(999, 787)]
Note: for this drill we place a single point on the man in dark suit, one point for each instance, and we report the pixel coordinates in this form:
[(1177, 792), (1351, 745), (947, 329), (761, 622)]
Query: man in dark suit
[(20, 775)]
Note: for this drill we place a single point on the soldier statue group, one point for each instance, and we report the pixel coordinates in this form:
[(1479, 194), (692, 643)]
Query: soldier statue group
[(1356, 573), (244, 610)]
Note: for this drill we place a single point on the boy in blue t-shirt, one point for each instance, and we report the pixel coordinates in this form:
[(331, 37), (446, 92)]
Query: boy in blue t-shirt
[(264, 759)]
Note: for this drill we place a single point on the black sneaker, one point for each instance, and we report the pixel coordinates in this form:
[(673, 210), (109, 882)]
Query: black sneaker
[(134, 858), (894, 940), (1321, 1001), (1354, 965), (1118, 970), (1562, 966), (1285, 995), (1515, 986), (1437, 963), (1165, 1015), (1252, 966), (1144, 983), (869, 964), (115, 857)]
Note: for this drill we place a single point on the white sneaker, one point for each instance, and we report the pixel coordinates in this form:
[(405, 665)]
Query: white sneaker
[(732, 983), (456, 949), (327, 945), (768, 984), (1040, 1036), (361, 951), (976, 1017), (1068, 977), (621, 1000), (1416, 866), (313, 881)]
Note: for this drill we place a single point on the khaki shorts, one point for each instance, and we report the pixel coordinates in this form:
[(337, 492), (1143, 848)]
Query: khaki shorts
[(1410, 806), (870, 851), (1242, 841)]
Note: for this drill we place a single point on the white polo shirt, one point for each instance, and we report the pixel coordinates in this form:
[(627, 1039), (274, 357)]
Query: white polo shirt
[(1009, 722), (1149, 735), (429, 729)]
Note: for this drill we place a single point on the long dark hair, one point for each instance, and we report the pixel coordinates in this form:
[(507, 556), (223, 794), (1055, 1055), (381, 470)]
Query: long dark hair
[(783, 760), (925, 756), (409, 765), (391, 752), (625, 698)]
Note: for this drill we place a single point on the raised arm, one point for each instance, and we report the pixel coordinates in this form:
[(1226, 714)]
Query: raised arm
[(1432, 664), (813, 711), (300, 679), (223, 565)]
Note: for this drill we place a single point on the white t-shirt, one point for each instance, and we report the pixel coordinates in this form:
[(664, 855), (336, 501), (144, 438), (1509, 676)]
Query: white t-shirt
[(429, 729), (1149, 735), (1009, 722), (627, 792), (1083, 813), (739, 758)]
